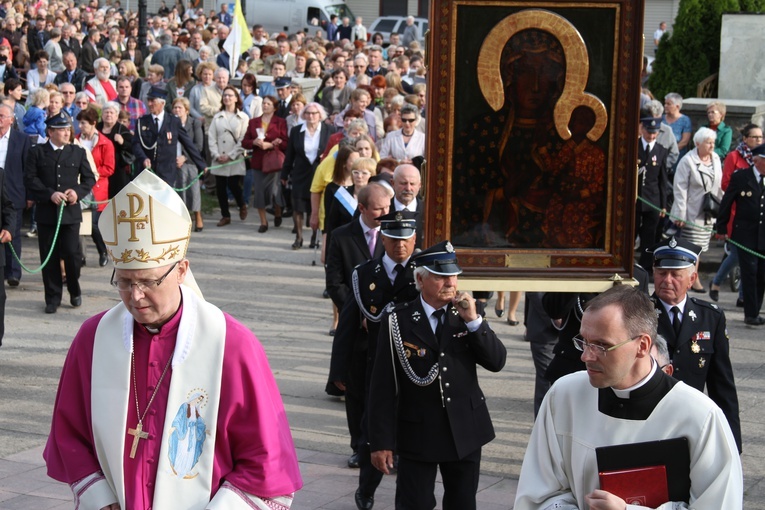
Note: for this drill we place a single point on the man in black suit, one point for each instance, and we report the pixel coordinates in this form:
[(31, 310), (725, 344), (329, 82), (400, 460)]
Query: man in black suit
[(37, 36), (406, 185), (747, 191), (90, 51), (653, 187), (282, 86), (695, 330), (12, 160), (157, 137), (425, 387), (57, 173), (356, 242), (71, 73), (375, 284), (70, 43), (7, 222)]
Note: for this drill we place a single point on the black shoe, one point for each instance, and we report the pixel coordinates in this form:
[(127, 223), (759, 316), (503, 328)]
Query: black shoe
[(364, 502), (702, 290), (353, 460), (278, 221), (739, 303), (198, 229), (103, 259), (262, 228), (75, 301), (714, 295), (50, 308), (499, 312), (13, 282), (297, 244), (512, 322), (84, 262), (324, 294), (754, 321), (332, 332)]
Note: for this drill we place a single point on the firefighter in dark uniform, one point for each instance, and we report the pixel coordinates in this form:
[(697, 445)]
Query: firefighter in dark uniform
[(695, 330), (58, 172), (374, 284), (424, 397)]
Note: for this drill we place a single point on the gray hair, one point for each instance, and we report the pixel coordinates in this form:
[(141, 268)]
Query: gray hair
[(111, 105), (422, 272), (410, 108), (81, 95), (222, 70), (361, 56), (320, 108), (375, 47), (359, 125), (675, 98), (55, 32), (662, 351), (397, 101), (655, 107), (97, 61), (165, 39), (704, 134)]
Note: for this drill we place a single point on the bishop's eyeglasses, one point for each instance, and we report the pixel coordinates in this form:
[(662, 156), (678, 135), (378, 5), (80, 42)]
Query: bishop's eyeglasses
[(142, 285)]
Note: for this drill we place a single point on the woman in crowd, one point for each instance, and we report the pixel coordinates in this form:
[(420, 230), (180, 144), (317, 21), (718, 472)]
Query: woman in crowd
[(679, 122), (366, 147), (264, 134), (408, 142), (297, 104), (306, 142), (251, 102), (81, 100), (192, 196), (114, 43), (314, 69), (41, 76), (132, 52), (122, 139), (227, 129), (697, 173), (102, 150), (53, 49), (181, 83), (326, 83), (739, 158), (716, 116), (300, 61), (334, 99), (205, 72), (127, 68), (392, 102)]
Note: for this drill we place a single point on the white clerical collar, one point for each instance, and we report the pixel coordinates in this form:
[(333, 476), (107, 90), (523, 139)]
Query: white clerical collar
[(680, 305), (411, 207), (626, 392)]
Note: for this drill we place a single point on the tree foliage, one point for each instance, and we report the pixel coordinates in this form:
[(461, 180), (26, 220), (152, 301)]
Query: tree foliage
[(692, 52)]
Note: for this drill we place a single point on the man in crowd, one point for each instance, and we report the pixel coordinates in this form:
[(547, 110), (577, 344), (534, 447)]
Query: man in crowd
[(70, 43), (135, 107), (68, 92), (195, 44), (410, 32), (156, 139), (332, 28), (6, 65), (58, 175), (406, 185), (747, 191), (283, 88), (428, 390), (210, 433), (72, 72), (278, 70), (224, 16), (623, 397), (345, 31), (695, 330), (359, 31), (381, 281), (167, 56), (14, 146), (375, 62), (90, 51), (101, 89), (283, 55), (8, 213)]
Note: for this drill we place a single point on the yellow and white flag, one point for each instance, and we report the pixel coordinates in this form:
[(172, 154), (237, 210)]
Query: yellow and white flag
[(238, 40)]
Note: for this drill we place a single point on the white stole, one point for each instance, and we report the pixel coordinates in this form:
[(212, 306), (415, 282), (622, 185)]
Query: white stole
[(197, 367)]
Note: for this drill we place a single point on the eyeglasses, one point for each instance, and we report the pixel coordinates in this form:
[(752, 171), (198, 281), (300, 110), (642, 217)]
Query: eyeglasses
[(143, 285), (407, 120), (310, 112), (598, 350), (755, 137)]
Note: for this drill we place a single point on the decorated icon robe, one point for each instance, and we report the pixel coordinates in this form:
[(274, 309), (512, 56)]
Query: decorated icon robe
[(243, 455)]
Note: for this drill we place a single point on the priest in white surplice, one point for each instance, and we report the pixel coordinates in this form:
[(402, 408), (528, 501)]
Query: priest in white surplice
[(623, 397), (165, 401)]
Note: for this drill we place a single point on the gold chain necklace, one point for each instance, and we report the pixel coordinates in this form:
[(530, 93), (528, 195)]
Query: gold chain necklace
[(138, 432)]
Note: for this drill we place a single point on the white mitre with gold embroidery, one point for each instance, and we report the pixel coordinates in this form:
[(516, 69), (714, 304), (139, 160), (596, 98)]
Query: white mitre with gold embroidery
[(146, 225)]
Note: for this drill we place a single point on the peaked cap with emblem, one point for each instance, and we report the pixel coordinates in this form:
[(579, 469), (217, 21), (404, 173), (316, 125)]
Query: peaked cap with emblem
[(438, 259), (675, 253), (146, 225), (58, 121), (282, 82), (157, 93), (651, 124), (398, 224)]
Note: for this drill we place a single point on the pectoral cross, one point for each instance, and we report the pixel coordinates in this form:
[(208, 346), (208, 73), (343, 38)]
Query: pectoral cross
[(137, 434)]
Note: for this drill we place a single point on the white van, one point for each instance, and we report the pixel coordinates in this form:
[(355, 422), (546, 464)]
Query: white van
[(292, 16)]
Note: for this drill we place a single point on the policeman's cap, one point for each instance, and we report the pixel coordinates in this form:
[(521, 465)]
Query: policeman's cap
[(282, 82), (675, 253), (439, 259), (58, 121), (398, 224), (651, 124), (157, 93)]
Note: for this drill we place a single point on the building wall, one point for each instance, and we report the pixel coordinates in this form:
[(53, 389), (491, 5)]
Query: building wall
[(738, 78)]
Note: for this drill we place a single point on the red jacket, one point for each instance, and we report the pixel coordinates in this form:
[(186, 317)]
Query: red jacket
[(103, 155), (733, 163), (277, 128)]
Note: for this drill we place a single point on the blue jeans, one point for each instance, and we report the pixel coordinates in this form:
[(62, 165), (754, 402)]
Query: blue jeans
[(726, 266)]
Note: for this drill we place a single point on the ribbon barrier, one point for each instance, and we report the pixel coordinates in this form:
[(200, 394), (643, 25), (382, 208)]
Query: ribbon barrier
[(52, 245), (704, 228)]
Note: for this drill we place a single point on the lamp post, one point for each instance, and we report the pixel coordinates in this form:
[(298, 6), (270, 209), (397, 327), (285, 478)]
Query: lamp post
[(142, 28)]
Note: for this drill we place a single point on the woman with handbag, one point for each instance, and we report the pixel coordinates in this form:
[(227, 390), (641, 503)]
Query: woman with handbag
[(696, 189), (227, 129), (267, 137)]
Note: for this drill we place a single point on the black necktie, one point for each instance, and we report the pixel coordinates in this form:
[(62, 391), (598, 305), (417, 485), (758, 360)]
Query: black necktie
[(762, 183), (676, 320), (156, 124), (439, 314)]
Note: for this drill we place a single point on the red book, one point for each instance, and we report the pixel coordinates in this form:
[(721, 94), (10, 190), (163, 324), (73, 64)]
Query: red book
[(646, 486)]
